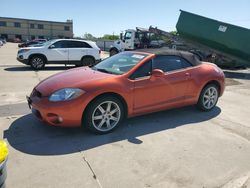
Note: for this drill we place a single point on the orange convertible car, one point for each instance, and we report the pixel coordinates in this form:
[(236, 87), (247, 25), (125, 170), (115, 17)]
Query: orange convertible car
[(125, 85)]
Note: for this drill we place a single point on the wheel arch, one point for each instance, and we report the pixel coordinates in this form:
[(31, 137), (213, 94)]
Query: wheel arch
[(85, 56), (116, 95), (37, 54), (215, 82)]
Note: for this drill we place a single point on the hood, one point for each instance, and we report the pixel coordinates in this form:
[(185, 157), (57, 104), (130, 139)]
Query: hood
[(32, 47), (73, 78)]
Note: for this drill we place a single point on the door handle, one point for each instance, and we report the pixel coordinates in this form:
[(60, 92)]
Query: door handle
[(188, 75)]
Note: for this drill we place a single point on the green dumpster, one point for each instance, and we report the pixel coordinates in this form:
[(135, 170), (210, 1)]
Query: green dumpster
[(221, 36)]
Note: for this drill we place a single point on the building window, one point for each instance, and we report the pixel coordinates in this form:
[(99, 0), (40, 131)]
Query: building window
[(40, 26), (17, 24), (66, 28), (41, 37), (32, 26), (4, 36), (2, 23)]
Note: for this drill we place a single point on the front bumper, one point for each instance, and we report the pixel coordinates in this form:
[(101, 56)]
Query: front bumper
[(62, 114), (22, 60)]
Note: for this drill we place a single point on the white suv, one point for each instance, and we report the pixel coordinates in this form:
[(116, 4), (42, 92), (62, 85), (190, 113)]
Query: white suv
[(60, 51)]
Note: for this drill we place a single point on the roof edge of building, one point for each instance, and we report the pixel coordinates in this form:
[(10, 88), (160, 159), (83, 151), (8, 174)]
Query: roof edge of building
[(24, 19)]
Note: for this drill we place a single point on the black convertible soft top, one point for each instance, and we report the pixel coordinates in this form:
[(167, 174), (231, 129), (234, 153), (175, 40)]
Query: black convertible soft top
[(165, 51)]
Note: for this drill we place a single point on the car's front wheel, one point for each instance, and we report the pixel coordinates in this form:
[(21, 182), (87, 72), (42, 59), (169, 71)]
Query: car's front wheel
[(208, 97), (37, 62), (104, 114)]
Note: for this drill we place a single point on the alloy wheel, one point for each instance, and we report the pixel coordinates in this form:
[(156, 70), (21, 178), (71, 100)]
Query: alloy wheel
[(37, 63), (210, 97), (106, 116)]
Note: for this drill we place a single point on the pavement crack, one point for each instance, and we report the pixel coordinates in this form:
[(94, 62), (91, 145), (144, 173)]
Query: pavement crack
[(92, 171), (235, 128), (239, 182), (37, 76)]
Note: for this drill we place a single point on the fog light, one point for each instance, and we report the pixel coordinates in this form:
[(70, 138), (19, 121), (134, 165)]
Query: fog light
[(60, 119), (54, 118)]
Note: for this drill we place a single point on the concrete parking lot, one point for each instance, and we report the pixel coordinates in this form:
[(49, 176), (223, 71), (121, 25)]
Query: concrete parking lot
[(175, 148)]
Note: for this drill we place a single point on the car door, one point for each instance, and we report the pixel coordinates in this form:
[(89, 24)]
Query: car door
[(177, 77), (77, 50), (129, 40), (148, 92), (156, 92), (58, 52)]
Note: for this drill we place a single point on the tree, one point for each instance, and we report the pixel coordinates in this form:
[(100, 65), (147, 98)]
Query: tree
[(110, 37), (173, 32), (88, 36)]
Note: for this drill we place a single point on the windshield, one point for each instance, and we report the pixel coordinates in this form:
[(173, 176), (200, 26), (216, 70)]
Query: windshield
[(120, 63), (37, 45)]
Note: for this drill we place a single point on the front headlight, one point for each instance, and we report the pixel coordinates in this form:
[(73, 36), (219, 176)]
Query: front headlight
[(66, 94), (23, 51)]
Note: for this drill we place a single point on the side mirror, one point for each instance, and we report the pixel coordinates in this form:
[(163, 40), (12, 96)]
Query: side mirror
[(51, 46), (121, 36), (157, 73)]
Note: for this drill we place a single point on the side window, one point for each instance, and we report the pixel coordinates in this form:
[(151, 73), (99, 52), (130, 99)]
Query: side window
[(60, 44), (128, 35), (85, 45), (72, 44), (170, 63), (185, 63), (142, 71), (78, 44)]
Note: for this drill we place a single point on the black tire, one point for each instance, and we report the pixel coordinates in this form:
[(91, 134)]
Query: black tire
[(113, 52), (205, 99), (37, 62), (87, 61), (93, 111)]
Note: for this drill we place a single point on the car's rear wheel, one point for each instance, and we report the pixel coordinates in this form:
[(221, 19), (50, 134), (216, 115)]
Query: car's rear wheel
[(87, 61), (37, 62), (208, 97), (104, 114)]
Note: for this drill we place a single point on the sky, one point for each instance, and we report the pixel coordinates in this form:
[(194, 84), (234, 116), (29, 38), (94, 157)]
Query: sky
[(100, 17)]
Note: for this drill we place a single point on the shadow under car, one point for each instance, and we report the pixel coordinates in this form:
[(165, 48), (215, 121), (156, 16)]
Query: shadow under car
[(29, 135)]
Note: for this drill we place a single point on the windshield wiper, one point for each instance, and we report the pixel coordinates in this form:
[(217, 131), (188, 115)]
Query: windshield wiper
[(102, 70)]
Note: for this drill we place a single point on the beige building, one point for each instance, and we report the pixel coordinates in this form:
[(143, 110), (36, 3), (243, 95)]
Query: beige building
[(26, 29)]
